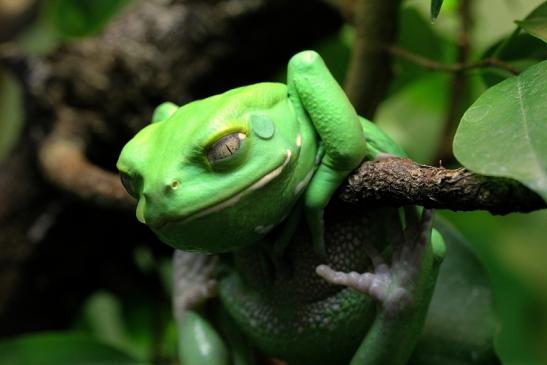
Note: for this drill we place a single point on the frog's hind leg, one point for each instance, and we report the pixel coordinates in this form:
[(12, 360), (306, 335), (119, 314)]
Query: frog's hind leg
[(202, 341), (402, 288), (242, 352)]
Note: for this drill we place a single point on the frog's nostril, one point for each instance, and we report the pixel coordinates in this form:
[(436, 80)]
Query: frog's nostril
[(173, 185)]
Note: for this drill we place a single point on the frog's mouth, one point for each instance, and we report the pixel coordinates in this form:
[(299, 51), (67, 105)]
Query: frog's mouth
[(215, 207)]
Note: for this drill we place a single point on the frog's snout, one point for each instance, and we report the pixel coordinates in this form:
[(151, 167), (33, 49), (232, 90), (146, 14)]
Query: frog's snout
[(153, 203), (149, 213)]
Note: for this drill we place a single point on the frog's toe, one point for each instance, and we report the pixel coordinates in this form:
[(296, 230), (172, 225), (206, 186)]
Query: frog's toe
[(304, 60), (374, 284)]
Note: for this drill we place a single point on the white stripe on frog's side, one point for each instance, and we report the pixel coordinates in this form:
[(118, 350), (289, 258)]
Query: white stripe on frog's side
[(299, 140), (236, 198), (272, 175), (303, 183)]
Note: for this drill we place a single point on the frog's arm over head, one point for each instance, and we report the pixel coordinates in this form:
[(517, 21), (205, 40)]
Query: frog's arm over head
[(313, 89)]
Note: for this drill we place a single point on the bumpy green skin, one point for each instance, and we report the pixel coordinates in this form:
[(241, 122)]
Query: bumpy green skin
[(288, 148)]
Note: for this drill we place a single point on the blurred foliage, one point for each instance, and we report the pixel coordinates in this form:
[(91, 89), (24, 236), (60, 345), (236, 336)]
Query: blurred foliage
[(411, 116), (78, 18), (67, 20), (139, 324), (413, 25), (435, 8), (67, 348), (536, 22), (11, 111), (514, 251), (137, 329), (520, 50)]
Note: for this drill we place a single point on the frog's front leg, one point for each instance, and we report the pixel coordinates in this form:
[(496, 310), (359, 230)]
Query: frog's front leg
[(403, 291), (313, 90)]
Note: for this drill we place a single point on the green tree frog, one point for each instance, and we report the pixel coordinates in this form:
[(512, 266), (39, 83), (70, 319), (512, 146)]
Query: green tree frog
[(247, 175)]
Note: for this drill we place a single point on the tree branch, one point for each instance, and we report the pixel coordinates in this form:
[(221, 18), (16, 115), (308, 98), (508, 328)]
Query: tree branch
[(369, 72), (400, 181), (63, 161)]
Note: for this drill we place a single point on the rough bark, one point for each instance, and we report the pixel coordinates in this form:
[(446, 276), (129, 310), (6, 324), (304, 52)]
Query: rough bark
[(400, 181)]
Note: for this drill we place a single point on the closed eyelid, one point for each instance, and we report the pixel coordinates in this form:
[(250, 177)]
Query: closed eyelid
[(225, 147)]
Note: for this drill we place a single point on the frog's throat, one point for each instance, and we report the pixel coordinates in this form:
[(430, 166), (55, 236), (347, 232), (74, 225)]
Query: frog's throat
[(263, 181)]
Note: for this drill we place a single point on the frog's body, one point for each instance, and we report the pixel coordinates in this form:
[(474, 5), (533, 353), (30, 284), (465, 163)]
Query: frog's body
[(233, 174), (289, 312)]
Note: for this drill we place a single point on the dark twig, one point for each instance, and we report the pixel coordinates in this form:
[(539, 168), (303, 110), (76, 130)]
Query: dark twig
[(400, 181), (455, 67), (459, 83), (370, 71)]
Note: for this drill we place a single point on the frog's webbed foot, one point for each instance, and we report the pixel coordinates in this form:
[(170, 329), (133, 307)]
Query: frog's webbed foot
[(394, 285), (193, 280), (199, 342)]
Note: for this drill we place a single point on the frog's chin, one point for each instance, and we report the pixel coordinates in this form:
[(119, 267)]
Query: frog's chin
[(204, 238), (233, 200)]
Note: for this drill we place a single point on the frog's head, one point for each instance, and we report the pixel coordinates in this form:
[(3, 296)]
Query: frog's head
[(216, 174)]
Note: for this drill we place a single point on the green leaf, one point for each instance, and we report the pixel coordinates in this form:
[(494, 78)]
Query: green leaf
[(536, 22), (103, 317), (60, 349), (435, 8), (11, 115), (78, 18), (504, 133)]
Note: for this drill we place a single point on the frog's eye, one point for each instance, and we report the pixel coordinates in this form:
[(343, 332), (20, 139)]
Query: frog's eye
[(129, 184), (225, 148)]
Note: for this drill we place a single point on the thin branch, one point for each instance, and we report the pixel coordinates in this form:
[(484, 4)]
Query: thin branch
[(400, 181), (63, 161), (455, 67), (459, 84)]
